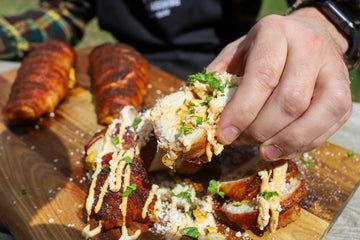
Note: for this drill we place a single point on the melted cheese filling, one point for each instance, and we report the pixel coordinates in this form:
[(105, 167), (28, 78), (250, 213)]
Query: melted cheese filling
[(201, 110)]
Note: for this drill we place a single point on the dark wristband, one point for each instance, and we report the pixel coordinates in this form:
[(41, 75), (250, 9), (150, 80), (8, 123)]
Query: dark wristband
[(342, 22)]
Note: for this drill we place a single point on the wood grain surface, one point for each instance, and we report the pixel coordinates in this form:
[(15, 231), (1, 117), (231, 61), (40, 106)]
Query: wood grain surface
[(43, 184)]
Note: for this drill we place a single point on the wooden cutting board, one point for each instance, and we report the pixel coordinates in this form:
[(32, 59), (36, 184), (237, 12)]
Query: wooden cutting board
[(43, 184)]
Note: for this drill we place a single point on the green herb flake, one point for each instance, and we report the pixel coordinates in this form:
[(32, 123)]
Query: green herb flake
[(310, 165), (190, 232), (127, 159), (185, 131), (312, 173), (206, 78), (203, 104), (192, 111), (338, 160), (190, 213), (182, 184), (69, 150), (199, 121), (23, 191), (88, 132), (136, 123), (105, 168), (351, 155), (191, 104), (214, 188), (237, 204), (115, 140), (129, 189), (185, 195), (302, 159), (268, 195), (208, 99)]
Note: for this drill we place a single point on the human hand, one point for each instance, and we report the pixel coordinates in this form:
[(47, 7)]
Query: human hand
[(295, 91)]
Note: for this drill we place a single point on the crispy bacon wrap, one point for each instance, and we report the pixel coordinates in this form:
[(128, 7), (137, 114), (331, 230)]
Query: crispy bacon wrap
[(258, 194), (41, 83), (120, 76), (120, 183)]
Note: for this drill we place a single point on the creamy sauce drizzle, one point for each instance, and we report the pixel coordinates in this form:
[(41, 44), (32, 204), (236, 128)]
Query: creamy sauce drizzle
[(149, 200), (117, 179), (86, 232), (269, 209)]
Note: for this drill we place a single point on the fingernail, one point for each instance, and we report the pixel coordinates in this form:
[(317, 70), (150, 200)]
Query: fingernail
[(271, 152), (230, 133)]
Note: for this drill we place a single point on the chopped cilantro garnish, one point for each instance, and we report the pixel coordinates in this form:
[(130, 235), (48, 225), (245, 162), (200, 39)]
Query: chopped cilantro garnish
[(69, 150), (88, 131), (105, 168), (185, 195), (302, 159), (115, 140), (23, 191), (199, 120), (350, 155), (237, 204), (185, 131), (202, 77), (181, 184), (190, 213), (129, 189), (208, 99), (190, 232), (203, 104), (192, 104), (127, 159), (207, 78), (213, 188), (310, 166), (136, 123), (268, 195), (192, 111)]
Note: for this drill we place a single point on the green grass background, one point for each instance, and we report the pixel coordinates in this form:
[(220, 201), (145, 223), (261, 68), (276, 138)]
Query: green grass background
[(94, 35)]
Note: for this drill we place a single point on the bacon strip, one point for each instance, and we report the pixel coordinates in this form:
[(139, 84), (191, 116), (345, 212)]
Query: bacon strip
[(41, 82), (119, 75)]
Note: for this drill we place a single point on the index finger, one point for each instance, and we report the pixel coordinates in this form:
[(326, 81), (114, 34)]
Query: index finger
[(264, 66)]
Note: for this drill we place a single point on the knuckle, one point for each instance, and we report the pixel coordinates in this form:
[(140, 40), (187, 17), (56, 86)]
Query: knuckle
[(294, 104), (267, 78), (271, 20), (340, 101)]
